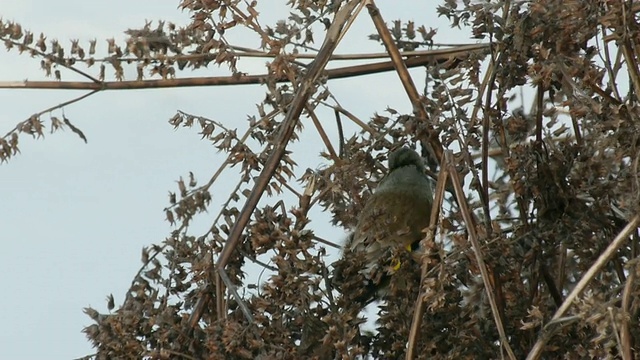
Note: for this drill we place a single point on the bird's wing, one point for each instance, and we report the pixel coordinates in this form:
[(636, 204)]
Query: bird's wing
[(390, 219)]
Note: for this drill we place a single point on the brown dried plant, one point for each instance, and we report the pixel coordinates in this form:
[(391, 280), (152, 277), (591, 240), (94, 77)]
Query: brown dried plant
[(537, 238)]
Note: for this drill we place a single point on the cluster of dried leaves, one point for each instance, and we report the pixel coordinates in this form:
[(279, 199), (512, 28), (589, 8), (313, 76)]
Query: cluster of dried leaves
[(548, 189)]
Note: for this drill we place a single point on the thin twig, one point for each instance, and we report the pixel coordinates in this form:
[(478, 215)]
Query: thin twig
[(61, 105), (61, 62), (323, 134), (473, 237), (340, 132), (419, 309), (486, 125), (437, 57), (539, 112), (625, 334), (627, 50), (288, 126), (602, 260), (616, 332), (405, 77)]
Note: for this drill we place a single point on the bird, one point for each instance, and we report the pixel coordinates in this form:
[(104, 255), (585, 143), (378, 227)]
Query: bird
[(391, 222)]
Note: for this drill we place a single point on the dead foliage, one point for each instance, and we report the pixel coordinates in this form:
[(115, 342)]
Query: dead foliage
[(536, 132)]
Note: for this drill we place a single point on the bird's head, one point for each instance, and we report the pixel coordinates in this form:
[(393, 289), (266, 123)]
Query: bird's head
[(403, 157)]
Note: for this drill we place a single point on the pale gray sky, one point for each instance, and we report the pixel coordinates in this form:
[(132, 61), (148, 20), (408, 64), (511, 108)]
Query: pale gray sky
[(74, 216)]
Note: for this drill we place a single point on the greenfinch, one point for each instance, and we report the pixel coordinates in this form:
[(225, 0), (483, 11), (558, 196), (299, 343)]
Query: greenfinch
[(392, 221)]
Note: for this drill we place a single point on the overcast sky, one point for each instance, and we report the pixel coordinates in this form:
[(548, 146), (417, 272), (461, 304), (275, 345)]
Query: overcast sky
[(74, 216)]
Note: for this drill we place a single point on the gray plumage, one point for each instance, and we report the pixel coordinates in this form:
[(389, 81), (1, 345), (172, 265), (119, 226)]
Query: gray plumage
[(394, 217)]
